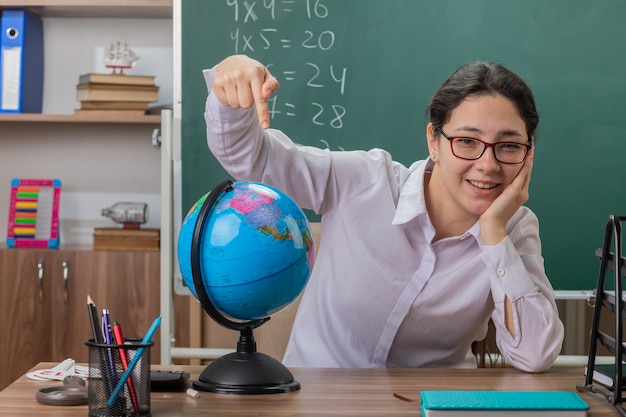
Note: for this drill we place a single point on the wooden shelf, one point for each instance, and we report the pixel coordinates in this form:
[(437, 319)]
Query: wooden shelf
[(149, 9), (71, 118)]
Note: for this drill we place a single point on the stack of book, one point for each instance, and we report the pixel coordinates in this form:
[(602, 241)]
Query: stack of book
[(115, 94)]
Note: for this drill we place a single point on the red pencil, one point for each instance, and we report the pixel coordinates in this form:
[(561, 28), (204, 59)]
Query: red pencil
[(119, 339)]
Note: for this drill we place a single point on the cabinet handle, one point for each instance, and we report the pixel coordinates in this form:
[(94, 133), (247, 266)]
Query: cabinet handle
[(40, 278), (66, 270), (156, 138)]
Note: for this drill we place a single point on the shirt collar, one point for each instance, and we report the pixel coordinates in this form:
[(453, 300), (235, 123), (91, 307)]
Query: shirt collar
[(411, 202)]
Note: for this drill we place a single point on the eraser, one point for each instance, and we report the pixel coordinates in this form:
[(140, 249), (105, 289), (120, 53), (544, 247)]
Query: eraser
[(193, 393)]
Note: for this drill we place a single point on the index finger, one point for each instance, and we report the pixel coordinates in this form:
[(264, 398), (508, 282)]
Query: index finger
[(262, 94), (262, 106)]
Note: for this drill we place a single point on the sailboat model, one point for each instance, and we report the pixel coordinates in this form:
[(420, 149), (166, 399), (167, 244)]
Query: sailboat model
[(118, 55)]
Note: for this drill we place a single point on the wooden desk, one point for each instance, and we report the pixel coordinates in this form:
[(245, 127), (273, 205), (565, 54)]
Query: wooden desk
[(328, 392)]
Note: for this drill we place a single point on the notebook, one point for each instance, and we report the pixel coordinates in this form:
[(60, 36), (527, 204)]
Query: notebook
[(502, 403)]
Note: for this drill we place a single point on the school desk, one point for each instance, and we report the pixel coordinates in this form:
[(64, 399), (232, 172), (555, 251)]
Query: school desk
[(324, 392)]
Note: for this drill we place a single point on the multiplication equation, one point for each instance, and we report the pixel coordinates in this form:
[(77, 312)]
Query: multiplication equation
[(246, 12), (295, 41)]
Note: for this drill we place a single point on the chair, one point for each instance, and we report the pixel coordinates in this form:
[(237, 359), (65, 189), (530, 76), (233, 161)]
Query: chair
[(486, 351), (608, 302)]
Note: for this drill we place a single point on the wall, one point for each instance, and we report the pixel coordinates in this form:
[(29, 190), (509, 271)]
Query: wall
[(99, 164)]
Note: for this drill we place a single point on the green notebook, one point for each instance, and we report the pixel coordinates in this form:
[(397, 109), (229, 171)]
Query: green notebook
[(502, 403)]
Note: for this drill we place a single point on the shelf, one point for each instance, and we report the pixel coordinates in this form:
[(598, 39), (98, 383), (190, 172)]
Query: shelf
[(83, 9), (150, 9), (71, 118)]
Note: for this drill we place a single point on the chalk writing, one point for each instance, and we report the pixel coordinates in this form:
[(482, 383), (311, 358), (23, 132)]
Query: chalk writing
[(314, 87)]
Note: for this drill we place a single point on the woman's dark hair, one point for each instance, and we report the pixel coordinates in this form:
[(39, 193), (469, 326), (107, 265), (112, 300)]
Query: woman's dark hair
[(483, 78)]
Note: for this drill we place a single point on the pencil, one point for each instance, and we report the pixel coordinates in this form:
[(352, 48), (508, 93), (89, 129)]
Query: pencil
[(98, 338)]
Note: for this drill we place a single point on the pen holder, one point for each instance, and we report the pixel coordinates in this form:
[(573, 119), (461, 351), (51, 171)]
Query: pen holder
[(107, 366)]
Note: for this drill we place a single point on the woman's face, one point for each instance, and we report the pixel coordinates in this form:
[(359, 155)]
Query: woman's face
[(472, 185)]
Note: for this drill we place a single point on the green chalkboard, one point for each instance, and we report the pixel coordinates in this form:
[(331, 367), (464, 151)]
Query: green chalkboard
[(357, 74)]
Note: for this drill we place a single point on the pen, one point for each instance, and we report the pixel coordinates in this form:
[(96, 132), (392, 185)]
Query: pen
[(119, 339), (106, 326), (146, 339), (106, 329)]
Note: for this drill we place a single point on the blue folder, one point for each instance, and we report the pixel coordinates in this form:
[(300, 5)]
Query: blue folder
[(21, 62)]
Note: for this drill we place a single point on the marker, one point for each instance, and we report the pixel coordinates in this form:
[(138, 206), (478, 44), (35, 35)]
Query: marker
[(146, 339)]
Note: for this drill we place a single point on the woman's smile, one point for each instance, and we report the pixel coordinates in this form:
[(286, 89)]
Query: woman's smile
[(483, 185)]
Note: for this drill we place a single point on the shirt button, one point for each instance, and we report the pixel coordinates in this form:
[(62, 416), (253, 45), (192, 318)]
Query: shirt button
[(500, 272)]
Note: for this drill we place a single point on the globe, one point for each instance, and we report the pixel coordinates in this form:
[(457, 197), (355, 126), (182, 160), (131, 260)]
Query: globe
[(245, 250), (256, 253)]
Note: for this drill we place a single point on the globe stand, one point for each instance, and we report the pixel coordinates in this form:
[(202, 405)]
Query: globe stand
[(245, 371)]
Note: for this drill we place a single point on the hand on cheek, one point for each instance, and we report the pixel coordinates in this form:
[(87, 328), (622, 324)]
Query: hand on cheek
[(493, 221)]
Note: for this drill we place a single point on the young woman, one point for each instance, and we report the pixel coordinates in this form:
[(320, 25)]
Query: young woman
[(415, 260)]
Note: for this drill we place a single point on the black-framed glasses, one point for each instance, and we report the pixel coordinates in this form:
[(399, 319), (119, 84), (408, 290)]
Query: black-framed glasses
[(469, 148)]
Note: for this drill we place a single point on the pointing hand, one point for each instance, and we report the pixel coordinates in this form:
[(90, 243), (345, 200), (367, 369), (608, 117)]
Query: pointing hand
[(241, 82)]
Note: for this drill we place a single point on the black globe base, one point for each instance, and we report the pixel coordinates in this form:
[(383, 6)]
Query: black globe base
[(246, 372)]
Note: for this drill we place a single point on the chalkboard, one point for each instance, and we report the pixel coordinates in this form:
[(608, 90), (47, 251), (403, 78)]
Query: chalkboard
[(358, 74)]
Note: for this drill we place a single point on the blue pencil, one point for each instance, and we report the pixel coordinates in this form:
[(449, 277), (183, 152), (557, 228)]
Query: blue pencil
[(146, 339)]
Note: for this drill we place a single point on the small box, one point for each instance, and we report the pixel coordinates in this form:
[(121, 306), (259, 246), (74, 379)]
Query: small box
[(126, 239)]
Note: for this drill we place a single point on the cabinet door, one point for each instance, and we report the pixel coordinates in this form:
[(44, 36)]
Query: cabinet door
[(43, 308), (25, 327), (128, 285), (71, 276)]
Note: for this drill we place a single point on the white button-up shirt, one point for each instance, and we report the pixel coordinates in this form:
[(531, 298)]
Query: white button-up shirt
[(381, 294)]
